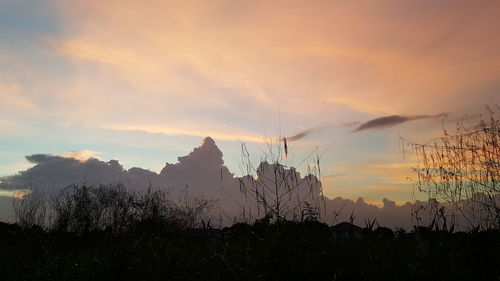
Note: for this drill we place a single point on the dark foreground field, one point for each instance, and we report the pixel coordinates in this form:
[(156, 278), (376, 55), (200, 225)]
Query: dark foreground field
[(286, 251)]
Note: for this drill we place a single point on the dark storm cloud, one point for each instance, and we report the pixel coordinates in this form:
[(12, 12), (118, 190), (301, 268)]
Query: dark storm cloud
[(392, 120)]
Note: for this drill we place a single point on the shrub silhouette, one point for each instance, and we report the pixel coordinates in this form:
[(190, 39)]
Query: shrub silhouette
[(85, 209), (149, 243)]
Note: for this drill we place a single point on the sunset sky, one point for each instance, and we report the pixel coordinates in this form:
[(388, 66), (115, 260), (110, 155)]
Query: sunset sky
[(143, 82)]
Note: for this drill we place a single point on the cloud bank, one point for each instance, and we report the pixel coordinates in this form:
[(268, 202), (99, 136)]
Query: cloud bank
[(202, 173)]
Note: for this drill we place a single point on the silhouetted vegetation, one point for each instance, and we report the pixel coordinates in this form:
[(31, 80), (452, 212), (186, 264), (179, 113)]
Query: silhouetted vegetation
[(106, 232), (463, 169)]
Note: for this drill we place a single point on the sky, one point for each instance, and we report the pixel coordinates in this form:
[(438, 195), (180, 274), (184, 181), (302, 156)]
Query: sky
[(144, 82)]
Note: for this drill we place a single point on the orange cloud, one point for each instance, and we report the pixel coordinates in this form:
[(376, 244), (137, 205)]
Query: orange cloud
[(18, 195), (380, 204), (387, 188), (14, 193), (81, 155), (219, 135), (334, 52)]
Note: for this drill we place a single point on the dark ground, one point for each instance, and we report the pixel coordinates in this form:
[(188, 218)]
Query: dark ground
[(285, 251)]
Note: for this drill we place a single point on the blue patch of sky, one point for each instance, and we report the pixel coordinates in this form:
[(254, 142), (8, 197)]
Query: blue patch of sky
[(132, 149), (36, 16), (25, 24)]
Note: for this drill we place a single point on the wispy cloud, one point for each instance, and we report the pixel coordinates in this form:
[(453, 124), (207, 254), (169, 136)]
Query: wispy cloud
[(298, 55), (12, 96), (171, 131), (307, 132), (391, 121)]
